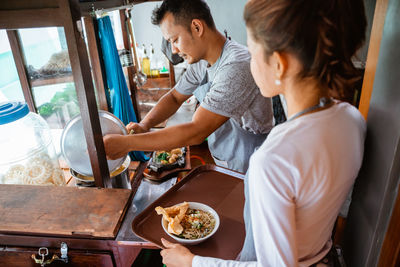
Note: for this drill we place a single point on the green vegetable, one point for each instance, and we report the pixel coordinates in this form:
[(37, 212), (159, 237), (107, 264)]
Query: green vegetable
[(162, 156)]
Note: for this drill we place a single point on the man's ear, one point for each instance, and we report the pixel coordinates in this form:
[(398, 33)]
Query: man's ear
[(197, 27)]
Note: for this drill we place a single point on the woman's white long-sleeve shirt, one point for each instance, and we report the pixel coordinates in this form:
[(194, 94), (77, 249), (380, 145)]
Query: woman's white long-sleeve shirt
[(298, 180)]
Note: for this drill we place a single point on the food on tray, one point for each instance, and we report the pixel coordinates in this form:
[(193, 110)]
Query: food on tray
[(168, 157), (187, 223), (174, 216), (197, 224), (168, 160)]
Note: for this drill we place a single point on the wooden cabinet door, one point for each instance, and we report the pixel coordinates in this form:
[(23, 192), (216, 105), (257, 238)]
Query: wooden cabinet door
[(22, 257)]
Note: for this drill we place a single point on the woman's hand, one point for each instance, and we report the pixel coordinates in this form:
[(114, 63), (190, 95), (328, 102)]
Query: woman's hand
[(176, 255), (133, 127), (115, 146)]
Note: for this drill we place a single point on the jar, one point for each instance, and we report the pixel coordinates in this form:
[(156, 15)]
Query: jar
[(27, 154)]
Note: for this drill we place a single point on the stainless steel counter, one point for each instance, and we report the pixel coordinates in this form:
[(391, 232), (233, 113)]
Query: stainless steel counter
[(145, 195)]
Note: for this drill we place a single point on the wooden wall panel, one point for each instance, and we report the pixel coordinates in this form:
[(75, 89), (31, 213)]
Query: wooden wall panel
[(131, 70), (17, 19), (373, 215), (95, 62), (390, 253), (373, 54)]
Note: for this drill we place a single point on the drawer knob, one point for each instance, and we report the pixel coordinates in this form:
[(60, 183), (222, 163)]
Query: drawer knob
[(43, 252)]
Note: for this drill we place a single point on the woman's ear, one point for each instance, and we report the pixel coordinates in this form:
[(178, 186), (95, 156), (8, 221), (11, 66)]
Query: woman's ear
[(197, 27), (280, 64)]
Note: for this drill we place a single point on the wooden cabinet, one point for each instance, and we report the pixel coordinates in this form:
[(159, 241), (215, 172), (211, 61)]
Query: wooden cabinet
[(17, 250), (93, 222), (22, 257)]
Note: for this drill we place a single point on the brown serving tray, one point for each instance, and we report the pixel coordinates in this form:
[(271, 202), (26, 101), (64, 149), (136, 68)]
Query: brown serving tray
[(217, 187)]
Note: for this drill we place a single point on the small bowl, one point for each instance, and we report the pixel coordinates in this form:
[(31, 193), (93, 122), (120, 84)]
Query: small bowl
[(197, 206)]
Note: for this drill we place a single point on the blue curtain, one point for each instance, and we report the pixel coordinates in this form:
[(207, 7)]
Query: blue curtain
[(118, 93)]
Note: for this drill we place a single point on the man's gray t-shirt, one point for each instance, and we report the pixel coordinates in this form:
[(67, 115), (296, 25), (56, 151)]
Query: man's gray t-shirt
[(233, 92)]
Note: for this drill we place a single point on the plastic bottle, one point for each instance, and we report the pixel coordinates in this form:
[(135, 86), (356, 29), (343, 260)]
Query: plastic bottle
[(27, 154)]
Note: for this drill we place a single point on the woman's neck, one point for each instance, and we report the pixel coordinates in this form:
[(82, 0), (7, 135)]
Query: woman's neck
[(302, 95)]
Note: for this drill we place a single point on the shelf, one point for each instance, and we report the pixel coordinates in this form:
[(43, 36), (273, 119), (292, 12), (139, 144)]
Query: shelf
[(53, 80), (161, 83), (162, 75)]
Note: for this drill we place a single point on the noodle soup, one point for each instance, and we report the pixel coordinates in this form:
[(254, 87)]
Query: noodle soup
[(197, 224)]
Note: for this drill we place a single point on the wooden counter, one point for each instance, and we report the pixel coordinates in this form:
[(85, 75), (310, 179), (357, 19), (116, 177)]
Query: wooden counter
[(88, 220), (62, 211), (95, 223)]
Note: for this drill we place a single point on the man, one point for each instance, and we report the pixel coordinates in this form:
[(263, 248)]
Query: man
[(232, 114)]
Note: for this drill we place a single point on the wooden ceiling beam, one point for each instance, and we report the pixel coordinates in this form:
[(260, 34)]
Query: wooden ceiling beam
[(24, 18)]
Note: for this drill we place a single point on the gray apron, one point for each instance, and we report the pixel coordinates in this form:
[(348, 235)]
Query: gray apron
[(230, 142)]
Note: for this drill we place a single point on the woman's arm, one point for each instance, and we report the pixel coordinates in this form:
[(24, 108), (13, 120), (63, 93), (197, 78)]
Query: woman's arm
[(176, 255)]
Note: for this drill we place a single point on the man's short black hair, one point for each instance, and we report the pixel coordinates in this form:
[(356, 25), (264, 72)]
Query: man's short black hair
[(184, 11)]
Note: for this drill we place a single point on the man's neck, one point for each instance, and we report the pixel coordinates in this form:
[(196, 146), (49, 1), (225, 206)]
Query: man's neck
[(215, 45)]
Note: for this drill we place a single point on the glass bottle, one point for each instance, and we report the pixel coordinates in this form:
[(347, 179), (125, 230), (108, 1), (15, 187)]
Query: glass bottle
[(145, 62), (155, 72)]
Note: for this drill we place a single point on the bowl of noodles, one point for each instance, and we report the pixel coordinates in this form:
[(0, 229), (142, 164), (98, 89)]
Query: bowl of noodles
[(189, 223)]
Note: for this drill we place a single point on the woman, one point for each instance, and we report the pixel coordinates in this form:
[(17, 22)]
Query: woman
[(300, 176)]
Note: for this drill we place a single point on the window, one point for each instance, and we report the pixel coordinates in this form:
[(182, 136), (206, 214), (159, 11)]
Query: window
[(50, 75), (10, 87)]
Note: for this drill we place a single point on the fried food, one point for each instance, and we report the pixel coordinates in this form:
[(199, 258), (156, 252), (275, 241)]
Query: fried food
[(174, 216), (168, 157), (40, 170), (176, 151)]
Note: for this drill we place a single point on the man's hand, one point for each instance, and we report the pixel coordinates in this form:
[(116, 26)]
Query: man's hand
[(115, 146), (176, 255), (133, 127)]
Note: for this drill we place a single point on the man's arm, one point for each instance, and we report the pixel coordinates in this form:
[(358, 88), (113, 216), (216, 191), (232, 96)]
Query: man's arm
[(165, 108), (204, 123)]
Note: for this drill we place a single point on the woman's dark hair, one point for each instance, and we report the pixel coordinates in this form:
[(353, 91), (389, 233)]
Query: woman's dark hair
[(184, 11), (322, 34)]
